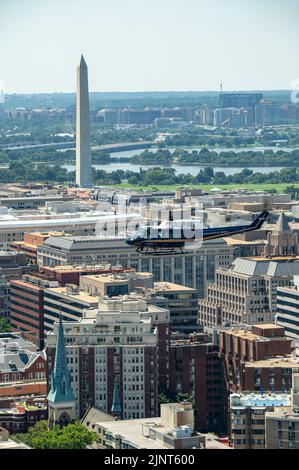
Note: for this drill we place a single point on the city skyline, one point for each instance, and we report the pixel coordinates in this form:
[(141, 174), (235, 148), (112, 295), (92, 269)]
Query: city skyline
[(142, 47)]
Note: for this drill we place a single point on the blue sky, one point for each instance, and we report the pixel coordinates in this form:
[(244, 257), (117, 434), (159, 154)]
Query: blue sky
[(142, 45)]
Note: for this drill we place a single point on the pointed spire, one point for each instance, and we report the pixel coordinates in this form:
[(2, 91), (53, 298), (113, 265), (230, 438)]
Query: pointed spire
[(82, 62), (282, 224), (61, 389), (116, 407)]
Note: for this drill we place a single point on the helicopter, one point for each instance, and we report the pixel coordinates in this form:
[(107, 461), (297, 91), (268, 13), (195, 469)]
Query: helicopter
[(152, 240)]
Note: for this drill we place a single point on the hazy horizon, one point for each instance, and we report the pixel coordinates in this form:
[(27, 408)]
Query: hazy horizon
[(216, 92), (140, 46)]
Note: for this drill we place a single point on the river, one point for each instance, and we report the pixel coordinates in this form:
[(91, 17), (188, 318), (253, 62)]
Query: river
[(180, 169), (184, 169)]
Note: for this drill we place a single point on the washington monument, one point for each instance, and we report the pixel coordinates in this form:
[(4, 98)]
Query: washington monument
[(83, 155)]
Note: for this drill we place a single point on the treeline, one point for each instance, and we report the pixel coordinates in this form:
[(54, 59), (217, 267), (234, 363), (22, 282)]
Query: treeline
[(42, 172), (167, 176), (225, 159), (48, 155)]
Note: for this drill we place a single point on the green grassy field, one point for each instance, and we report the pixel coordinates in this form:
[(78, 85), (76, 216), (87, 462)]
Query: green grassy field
[(280, 188)]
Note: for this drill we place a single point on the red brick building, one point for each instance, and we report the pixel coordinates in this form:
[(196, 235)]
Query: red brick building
[(242, 347), (27, 306), (197, 370)]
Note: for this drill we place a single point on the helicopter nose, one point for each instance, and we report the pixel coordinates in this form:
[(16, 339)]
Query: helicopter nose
[(129, 241)]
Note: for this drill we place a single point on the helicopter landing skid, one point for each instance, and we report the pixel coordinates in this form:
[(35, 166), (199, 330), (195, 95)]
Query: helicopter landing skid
[(150, 251)]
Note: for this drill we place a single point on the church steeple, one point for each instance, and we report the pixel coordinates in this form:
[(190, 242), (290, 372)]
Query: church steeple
[(281, 241), (61, 398), (116, 406)]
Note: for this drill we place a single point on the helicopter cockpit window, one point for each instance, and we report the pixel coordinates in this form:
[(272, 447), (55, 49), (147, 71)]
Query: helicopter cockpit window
[(142, 232)]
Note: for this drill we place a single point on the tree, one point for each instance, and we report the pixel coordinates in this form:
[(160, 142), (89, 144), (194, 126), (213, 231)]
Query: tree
[(183, 397), (4, 325), (72, 436)]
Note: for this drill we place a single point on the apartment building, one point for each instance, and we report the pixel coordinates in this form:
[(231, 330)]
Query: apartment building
[(196, 370), (113, 356), (247, 417), (22, 367), (282, 426), (254, 357)]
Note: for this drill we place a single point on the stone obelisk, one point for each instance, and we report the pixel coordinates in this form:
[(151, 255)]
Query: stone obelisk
[(83, 155)]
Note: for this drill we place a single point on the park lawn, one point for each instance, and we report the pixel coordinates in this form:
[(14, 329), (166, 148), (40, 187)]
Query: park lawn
[(280, 187)]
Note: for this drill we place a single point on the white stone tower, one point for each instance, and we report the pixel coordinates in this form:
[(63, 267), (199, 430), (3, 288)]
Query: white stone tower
[(83, 155)]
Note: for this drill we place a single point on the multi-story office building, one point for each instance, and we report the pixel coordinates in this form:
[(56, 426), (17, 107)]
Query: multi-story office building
[(110, 116), (113, 356), (30, 243), (69, 302), (27, 306), (222, 116), (196, 369), (70, 274), (270, 112), (282, 426), (12, 229), (186, 114), (247, 291), (32, 202), (247, 417), (288, 309), (14, 265), (195, 269), (115, 284), (233, 117), (136, 116), (239, 100), (182, 303), (206, 115), (253, 357)]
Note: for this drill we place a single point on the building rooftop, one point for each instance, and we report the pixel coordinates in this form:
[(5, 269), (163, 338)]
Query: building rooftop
[(282, 414), (74, 293), (163, 286), (10, 222), (246, 332), (116, 277), (260, 400), (288, 362), (258, 266), (79, 268), (132, 431), (20, 408), (235, 241)]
